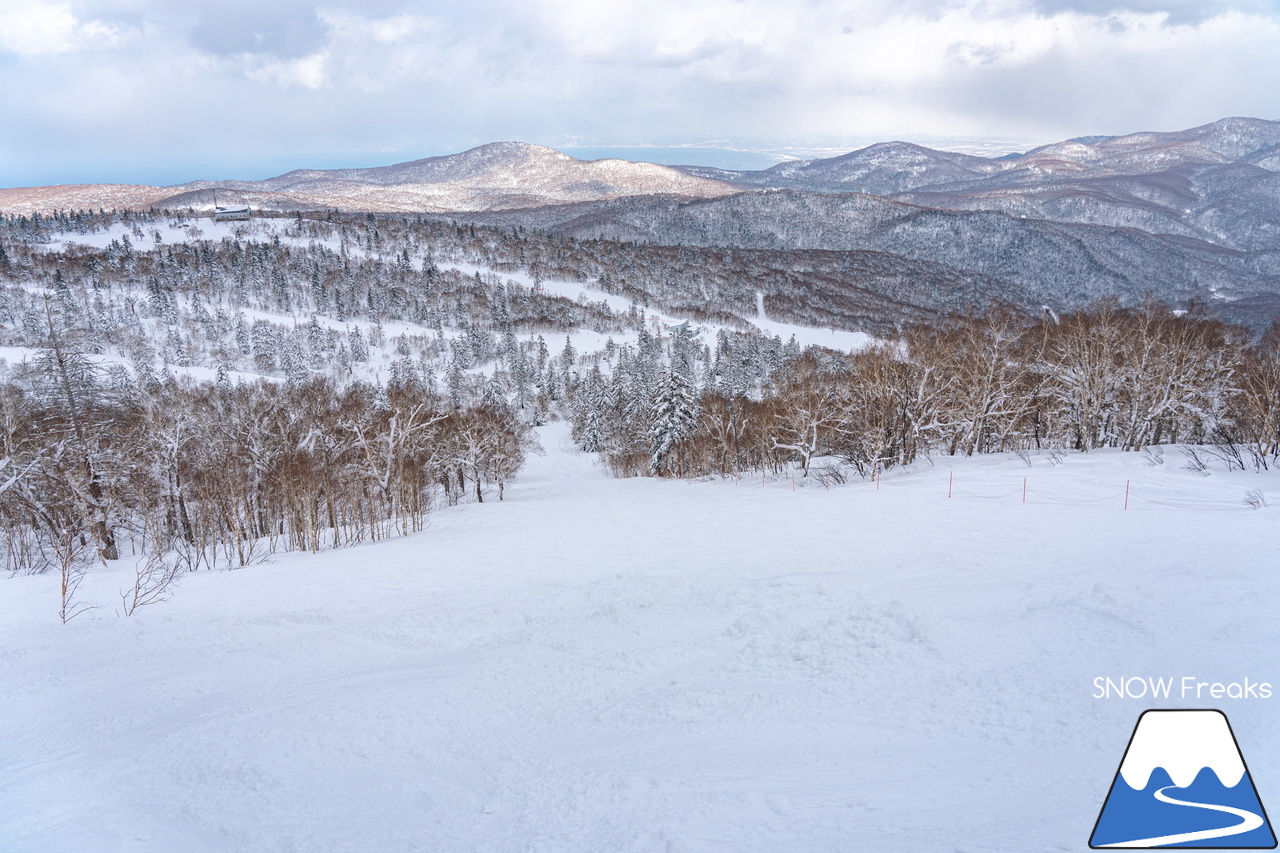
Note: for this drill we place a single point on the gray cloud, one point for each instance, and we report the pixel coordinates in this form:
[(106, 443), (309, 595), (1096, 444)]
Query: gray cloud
[(1179, 11), (283, 29)]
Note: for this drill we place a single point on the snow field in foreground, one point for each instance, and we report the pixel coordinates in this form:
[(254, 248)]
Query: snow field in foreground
[(645, 665)]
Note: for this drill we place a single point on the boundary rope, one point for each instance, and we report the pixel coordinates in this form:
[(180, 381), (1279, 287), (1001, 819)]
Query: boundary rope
[(1133, 495)]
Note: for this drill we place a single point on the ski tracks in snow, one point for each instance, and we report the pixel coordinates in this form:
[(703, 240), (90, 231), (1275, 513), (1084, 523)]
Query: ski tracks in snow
[(641, 666)]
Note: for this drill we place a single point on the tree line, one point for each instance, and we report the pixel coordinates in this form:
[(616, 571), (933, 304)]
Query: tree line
[(1106, 376), (209, 473)]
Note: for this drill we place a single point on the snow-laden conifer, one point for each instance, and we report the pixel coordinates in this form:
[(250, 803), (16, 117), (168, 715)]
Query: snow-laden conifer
[(675, 417)]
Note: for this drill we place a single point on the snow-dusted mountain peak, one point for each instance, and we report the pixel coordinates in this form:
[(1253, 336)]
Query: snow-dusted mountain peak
[(1183, 743), (471, 164), (479, 160)]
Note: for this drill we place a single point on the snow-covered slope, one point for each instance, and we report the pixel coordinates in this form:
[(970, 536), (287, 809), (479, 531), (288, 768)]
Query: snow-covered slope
[(24, 201), (653, 666)]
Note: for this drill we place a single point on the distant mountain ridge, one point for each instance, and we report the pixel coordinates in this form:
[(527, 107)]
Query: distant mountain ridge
[(880, 169), (1219, 182), (499, 175), (1185, 215), (876, 168)]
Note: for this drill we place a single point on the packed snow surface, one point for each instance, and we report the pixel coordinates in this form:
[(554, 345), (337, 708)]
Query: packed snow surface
[(654, 665)]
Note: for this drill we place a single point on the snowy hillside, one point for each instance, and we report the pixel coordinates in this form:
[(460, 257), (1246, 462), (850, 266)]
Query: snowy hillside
[(1216, 182), (654, 666), (1026, 258)]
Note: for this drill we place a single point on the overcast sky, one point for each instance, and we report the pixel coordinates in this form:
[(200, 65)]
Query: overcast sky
[(160, 92)]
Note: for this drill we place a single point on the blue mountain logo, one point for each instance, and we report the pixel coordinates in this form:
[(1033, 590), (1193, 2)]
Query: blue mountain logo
[(1183, 783)]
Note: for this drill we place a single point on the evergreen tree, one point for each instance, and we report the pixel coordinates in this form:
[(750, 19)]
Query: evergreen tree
[(359, 348), (543, 354), (495, 395), (243, 340), (293, 359), (589, 425), (317, 345), (569, 355), (266, 346), (63, 291), (551, 385), (455, 381), (176, 349), (223, 379), (675, 417)]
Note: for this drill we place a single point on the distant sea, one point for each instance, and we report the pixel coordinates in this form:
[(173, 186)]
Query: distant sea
[(720, 158)]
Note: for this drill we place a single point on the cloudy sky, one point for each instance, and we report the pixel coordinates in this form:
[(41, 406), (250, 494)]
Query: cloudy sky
[(160, 91)]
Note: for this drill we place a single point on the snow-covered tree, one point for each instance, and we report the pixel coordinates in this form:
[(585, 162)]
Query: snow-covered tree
[(675, 417)]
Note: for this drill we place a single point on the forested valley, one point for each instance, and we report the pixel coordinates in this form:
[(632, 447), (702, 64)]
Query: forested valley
[(196, 395)]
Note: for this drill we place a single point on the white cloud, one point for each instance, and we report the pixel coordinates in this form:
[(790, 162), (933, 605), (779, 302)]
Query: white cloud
[(35, 29), (309, 72)]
